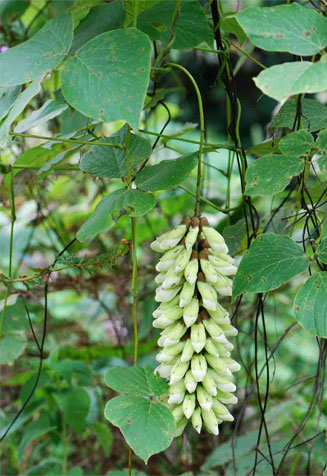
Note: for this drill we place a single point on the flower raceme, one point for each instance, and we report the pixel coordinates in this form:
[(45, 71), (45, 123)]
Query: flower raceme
[(193, 271)]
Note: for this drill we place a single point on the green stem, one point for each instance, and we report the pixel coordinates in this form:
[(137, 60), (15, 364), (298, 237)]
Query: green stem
[(238, 48), (166, 50), (136, 11), (201, 114), (68, 141), (208, 202)]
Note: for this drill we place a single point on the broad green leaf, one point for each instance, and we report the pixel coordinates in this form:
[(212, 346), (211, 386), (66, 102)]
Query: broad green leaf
[(75, 404), (296, 143), (121, 202), (12, 9), (321, 142), (322, 162), (101, 18), (7, 98), (56, 160), (17, 108), (270, 174), (168, 174), (234, 234), (265, 148), (271, 261), (322, 250), (110, 162), (136, 380), (298, 77), (147, 426), (229, 24), (292, 28), (104, 436), (34, 430), (12, 346), (107, 78), (43, 52), (49, 110), (192, 26), (314, 115), (310, 305)]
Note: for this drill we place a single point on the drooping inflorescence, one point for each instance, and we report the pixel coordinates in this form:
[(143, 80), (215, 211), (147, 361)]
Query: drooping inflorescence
[(196, 352)]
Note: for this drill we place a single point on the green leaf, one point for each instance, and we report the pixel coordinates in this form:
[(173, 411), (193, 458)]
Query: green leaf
[(265, 148), (43, 52), (17, 108), (321, 142), (49, 110), (7, 98), (234, 234), (310, 305), (147, 426), (271, 261), (131, 202), (136, 380), (75, 405), (298, 77), (296, 143), (322, 162), (314, 115), (107, 78), (292, 28), (229, 24), (192, 26), (104, 436), (11, 9), (322, 250), (101, 18), (34, 430), (12, 346), (110, 162), (168, 174), (270, 174)]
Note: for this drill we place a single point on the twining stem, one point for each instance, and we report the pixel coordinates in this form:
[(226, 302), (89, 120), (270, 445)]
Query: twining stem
[(134, 274), (11, 245), (68, 141), (238, 48), (209, 202), (135, 13), (201, 114)]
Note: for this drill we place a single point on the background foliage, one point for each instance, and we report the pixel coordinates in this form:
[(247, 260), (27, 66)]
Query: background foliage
[(99, 135)]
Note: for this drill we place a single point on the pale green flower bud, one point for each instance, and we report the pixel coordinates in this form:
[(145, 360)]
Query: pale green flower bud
[(173, 333), (221, 411), (209, 271), (180, 427), (173, 313), (159, 279), (211, 348), (222, 266), (161, 322), (219, 313), (209, 384), (186, 294), (208, 294), (170, 239), (198, 367), (191, 312), (178, 371), (197, 420), (229, 330), (178, 412), (225, 348), (172, 279), (177, 393), (161, 341), (198, 337), (187, 351), (156, 246), (172, 254), (203, 397), (214, 331), (210, 421), (215, 240), (232, 364), (189, 405), (223, 286), (164, 370), (222, 383), (182, 260), (169, 353), (165, 295), (190, 382), (215, 362), (191, 271), (226, 397), (163, 266), (191, 237)]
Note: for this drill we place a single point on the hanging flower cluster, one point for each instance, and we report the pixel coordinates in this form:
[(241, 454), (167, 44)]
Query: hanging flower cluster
[(195, 355)]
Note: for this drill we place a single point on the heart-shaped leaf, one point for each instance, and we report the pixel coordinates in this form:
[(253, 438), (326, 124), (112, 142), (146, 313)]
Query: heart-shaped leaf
[(107, 78), (136, 380), (147, 426)]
